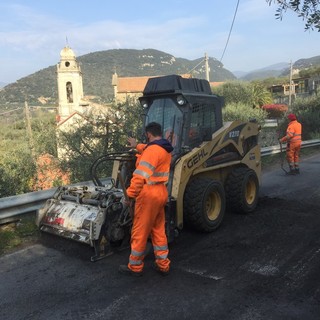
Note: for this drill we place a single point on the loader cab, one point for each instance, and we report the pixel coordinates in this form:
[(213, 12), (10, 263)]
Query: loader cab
[(186, 109)]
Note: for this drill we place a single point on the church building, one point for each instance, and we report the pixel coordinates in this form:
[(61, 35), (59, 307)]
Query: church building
[(70, 87)]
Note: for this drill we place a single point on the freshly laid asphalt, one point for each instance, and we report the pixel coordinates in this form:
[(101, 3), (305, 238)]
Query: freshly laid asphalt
[(263, 265), (276, 183)]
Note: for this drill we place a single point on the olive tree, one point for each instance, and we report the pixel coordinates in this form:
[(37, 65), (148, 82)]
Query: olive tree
[(308, 10), (252, 94), (235, 92), (17, 172), (98, 136)]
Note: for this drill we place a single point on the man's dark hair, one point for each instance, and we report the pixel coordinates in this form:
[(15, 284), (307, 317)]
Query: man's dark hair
[(154, 128)]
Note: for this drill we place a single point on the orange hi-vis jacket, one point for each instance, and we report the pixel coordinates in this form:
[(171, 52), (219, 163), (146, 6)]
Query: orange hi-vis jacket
[(152, 166), (148, 187), (294, 132)]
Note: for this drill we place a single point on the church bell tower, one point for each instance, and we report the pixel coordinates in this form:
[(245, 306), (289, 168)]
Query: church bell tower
[(70, 87)]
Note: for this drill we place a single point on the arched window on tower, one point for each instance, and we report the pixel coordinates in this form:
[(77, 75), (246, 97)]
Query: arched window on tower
[(69, 92)]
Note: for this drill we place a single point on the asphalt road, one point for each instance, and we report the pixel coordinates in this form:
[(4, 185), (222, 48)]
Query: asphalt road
[(264, 265)]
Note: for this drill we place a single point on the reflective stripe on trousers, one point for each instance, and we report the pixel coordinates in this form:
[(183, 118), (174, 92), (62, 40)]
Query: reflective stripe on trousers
[(293, 154), (149, 219)]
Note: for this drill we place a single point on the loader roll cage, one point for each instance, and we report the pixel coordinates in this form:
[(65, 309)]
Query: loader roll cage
[(125, 160), (186, 109)]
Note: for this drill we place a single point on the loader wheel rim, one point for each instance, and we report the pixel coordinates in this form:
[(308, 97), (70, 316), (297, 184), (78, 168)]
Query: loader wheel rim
[(213, 206), (250, 192)]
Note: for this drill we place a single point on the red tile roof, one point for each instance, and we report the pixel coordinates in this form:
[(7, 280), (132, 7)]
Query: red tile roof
[(132, 84), (216, 83), (136, 84)]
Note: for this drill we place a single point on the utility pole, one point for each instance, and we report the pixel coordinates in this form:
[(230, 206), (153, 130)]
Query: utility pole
[(290, 84), (206, 59), (29, 129)]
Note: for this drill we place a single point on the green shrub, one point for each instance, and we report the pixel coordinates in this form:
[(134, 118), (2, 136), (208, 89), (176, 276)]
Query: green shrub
[(235, 92), (17, 170), (307, 111), (243, 112), (254, 94)]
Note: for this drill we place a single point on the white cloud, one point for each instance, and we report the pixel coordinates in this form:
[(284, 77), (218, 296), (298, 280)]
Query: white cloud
[(253, 10), (35, 37)]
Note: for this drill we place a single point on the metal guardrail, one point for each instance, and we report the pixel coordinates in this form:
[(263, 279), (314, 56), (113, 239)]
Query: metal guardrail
[(268, 151), (13, 207)]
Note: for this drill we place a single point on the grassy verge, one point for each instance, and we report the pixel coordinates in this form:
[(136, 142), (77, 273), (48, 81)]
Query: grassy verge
[(17, 235)]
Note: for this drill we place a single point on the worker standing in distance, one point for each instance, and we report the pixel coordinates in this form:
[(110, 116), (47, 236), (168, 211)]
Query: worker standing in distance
[(293, 139), (148, 189)]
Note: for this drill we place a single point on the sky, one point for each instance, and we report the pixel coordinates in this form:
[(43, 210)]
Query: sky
[(33, 32)]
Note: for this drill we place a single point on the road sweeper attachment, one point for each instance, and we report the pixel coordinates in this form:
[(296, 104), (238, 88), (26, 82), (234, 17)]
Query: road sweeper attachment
[(93, 214)]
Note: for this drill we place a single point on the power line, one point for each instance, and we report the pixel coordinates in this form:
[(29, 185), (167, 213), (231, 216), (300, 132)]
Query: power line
[(42, 107), (196, 66), (9, 111), (225, 48), (234, 17), (30, 107)]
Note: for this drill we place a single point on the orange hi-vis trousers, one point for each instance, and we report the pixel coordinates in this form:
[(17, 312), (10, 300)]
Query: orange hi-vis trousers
[(292, 152), (149, 220)]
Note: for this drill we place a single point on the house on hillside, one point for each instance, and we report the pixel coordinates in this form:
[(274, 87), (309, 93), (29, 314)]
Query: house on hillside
[(73, 122), (300, 87), (70, 122), (128, 88), (314, 84)]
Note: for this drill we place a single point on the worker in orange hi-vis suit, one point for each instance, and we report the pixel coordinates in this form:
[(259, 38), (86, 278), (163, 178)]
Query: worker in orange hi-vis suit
[(148, 188), (293, 139)]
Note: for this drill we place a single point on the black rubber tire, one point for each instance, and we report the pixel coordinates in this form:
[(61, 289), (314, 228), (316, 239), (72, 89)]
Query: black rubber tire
[(204, 204), (242, 190)]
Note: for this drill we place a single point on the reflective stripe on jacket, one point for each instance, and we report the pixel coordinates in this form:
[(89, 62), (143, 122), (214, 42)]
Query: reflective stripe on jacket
[(152, 167), (294, 131)]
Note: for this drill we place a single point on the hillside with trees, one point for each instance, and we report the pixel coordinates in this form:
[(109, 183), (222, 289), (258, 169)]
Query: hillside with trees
[(40, 88), (98, 67)]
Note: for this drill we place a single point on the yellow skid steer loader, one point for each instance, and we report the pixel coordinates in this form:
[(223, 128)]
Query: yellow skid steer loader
[(214, 166)]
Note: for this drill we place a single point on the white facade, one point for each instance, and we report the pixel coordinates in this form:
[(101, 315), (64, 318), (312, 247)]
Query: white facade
[(70, 87)]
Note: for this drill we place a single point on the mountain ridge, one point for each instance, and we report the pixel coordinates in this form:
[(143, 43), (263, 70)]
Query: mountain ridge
[(280, 69), (99, 66)]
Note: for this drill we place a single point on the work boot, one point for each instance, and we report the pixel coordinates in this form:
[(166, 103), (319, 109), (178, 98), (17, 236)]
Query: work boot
[(292, 172), (163, 273), (297, 170), (124, 269)]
